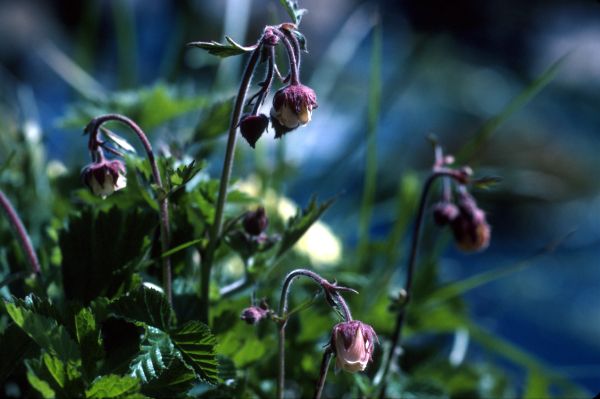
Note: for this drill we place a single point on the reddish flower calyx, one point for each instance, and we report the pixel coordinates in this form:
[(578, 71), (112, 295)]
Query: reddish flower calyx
[(353, 343), (254, 314), (470, 228), (256, 222), (252, 127), (104, 177), (292, 107), (444, 212)]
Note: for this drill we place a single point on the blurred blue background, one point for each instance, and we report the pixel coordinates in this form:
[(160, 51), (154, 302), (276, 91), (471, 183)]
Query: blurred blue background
[(447, 68)]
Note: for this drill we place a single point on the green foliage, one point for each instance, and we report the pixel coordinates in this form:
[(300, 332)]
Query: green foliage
[(223, 50), (293, 10)]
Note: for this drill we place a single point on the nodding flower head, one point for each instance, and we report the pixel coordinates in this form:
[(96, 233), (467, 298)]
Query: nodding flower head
[(353, 343), (252, 127), (292, 107), (104, 177), (444, 212), (470, 228), (255, 223), (254, 314)]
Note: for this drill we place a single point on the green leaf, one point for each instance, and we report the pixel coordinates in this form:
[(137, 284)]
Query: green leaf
[(299, 224), (223, 50), (486, 182), (482, 135), (14, 345), (160, 368), (197, 346), (537, 385), (46, 332), (101, 252), (39, 384), (293, 10), (215, 121), (145, 305), (50, 374), (88, 336), (112, 386)]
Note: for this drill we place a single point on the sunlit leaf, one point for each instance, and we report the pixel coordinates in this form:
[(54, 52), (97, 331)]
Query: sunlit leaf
[(197, 346), (112, 386), (223, 50)]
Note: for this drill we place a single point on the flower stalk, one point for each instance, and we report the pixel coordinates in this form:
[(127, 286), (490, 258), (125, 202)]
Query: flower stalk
[(439, 171), (21, 233), (332, 296), (95, 146)]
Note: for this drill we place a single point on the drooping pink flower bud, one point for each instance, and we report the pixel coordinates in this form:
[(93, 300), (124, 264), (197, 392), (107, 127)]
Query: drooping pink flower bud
[(292, 107), (470, 228), (444, 212), (353, 343), (255, 223), (104, 177), (254, 314), (252, 127)]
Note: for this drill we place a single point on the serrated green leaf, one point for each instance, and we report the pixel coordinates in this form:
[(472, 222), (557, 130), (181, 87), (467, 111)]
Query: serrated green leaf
[(160, 368), (197, 346), (223, 50), (14, 345), (46, 332), (144, 305), (88, 336), (293, 10), (112, 386), (300, 223), (101, 252)]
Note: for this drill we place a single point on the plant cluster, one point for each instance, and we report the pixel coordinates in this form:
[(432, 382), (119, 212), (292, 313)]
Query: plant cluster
[(142, 282)]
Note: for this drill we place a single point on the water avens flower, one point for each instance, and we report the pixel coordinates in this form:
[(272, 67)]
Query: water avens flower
[(292, 107), (104, 177), (470, 228), (444, 212), (353, 343), (254, 314)]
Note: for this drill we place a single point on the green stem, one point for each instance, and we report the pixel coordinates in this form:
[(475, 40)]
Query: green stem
[(216, 227)]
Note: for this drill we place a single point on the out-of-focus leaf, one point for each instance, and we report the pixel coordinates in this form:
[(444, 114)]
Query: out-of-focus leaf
[(293, 10), (112, 386), (145, 305), (100, 253), (300, 223), (215, 121), (197, 346), (118, 140), (486, 182), (223, 50), (14, 345), (537, 385)]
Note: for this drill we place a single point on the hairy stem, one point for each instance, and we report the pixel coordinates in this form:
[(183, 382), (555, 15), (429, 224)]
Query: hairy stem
[(438, 172), (21, 232), (216, 227), (323, 373), (165, 232), (294, 78)]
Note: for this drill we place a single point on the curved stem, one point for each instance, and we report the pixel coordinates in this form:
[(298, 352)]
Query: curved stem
[(323, 373), (165, 233), (292, 58), (438, 172), (216, 227), (330, 290), (266, 84), (21, 232), (295, 44)]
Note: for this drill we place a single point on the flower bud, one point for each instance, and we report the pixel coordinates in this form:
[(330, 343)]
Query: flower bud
[(104, 177), (255, 222), (444, 212), (292, 107), (353, 343), (269, 37), (253, 314), (470, 228), (252, 127)]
